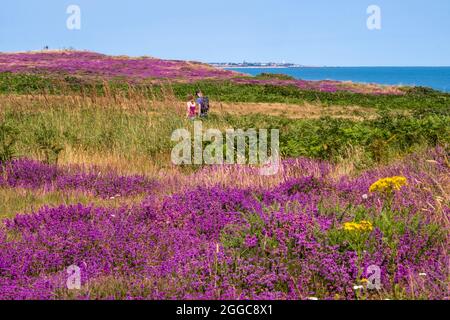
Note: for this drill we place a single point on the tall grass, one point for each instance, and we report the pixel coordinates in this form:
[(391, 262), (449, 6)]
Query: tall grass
[(218, 90), (130, 127)]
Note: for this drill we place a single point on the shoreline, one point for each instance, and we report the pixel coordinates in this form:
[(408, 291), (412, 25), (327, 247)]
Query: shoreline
[(265, 67)]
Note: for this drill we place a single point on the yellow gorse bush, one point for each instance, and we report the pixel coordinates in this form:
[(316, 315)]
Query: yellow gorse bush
[(358, 226), (388, 185)]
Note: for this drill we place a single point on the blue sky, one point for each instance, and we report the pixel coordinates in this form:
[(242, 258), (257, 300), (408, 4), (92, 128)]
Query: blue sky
[(310, 32)]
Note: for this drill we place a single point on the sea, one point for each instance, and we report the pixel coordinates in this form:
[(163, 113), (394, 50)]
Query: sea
[(437, 78)]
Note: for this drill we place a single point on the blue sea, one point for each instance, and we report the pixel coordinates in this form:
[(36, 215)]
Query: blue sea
[(435, 77)]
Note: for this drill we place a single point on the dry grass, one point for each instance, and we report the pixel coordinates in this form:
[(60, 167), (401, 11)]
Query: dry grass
[(127, 158), (133, 99), (19, 200), (148, 109), (294, 111), (157, 166), (141, 102), (237, 176)]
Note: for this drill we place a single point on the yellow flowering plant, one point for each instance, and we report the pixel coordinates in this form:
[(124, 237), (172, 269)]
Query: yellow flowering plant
[(388, 185), (361, 226)]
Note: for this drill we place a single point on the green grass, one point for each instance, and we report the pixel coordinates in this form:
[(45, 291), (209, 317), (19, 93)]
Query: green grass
[(225, 91), (135, 133), (26, 201), (20, 200), (416, 98), (329, 138), (46, 131), (93, 128)]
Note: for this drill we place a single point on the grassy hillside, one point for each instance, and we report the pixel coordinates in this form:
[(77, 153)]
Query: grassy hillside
[(86, 181)]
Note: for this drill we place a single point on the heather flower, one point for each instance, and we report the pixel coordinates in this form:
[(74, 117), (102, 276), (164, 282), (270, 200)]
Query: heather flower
[(189, 244), (251, 241), (91, 65), (32, 174)]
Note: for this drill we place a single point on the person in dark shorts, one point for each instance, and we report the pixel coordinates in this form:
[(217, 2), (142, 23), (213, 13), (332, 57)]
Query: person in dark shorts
[(203, 103)]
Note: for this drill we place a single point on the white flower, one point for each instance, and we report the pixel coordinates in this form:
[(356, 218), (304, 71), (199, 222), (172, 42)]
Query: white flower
[(422, 274), (365, 196), (358, 287), (313, 298)]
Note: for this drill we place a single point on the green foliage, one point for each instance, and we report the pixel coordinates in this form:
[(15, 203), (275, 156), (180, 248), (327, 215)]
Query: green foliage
[(329, 138), (393, 224), (423, 121), (8, 139), (133, 133), (233, 236), (22, 83), (276, 76), (226, 91), (48, 142)]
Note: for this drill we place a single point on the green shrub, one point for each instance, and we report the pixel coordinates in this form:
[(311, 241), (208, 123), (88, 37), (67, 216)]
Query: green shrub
[(8, 139), (330, 138), (276, 76), (48, 142)]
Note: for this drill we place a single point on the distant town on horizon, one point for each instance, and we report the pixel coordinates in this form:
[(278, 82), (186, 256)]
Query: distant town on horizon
[(255, 65)]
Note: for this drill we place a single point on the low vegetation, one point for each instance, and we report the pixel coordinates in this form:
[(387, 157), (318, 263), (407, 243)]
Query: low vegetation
[(86, 182)]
